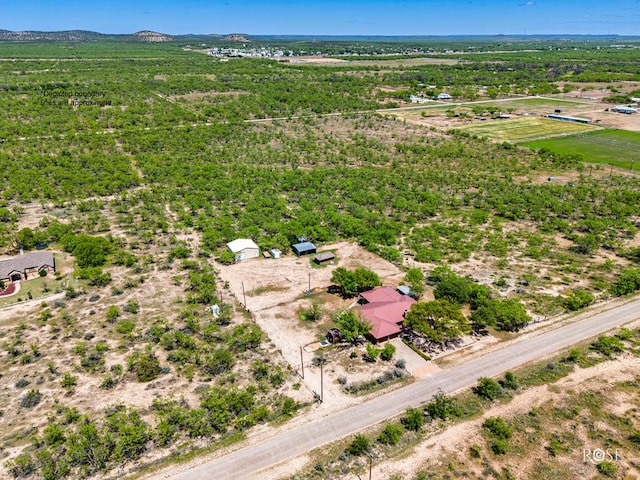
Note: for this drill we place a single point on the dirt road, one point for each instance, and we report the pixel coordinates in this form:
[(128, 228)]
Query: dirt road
[(246, 462)]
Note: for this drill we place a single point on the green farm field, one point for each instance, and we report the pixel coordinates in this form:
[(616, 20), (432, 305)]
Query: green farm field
[(616, 147), (535, 104), (523, 129)]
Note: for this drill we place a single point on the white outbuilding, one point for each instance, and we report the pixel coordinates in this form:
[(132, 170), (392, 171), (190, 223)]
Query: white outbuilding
[(243, 249)]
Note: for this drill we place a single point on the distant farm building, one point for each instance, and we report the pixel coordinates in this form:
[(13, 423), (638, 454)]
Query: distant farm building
[(626, 110), (26, 266), (566, 118), (303, 248), (384, 310), (444, 96), (243, 249), (324, 257), (416, 99)]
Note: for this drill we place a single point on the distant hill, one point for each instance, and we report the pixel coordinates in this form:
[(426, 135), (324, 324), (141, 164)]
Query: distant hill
[(148, 36), (82, 35), (67, 35), (236, 37)]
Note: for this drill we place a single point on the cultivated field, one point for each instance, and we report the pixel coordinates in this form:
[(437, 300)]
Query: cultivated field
[(522, 129), (616, 147)]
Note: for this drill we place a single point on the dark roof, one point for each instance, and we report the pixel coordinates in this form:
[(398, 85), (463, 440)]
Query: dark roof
[(304, 247), (324, 257), (23, 262)]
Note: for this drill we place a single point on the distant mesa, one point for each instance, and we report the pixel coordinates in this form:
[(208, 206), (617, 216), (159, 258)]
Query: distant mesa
[(152, 37)]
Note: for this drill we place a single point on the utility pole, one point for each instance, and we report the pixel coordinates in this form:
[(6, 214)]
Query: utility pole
[(301, 362), (321, 383), (370, 465), (244, 296), (309, 283)]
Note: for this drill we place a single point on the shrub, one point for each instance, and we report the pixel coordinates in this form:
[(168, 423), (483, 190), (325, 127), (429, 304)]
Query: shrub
[(313, 314), (146, 366), (475, 451), (372, 353), (108, 383), (510, 381), (498, 428), (22, 382), (31, 399), (113, 312), (488, 388), (577, 300), (608, 346), (219, 361), (125, 326), (401, 363), (68, 382), (388, 351), (499, 447), (391, 434), (132, 306), (443, 407), (22, 466), (608, 469), (413, 419), (627, 282), (359, 445)]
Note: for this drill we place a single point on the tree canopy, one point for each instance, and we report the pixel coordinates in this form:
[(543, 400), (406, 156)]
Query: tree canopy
[(439, 320)]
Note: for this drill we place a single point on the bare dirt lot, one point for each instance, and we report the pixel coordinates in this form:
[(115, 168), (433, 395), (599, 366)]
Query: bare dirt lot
[(274, 290)]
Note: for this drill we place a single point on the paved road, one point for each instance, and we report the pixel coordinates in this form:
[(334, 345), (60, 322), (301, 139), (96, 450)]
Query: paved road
[(246, 462)]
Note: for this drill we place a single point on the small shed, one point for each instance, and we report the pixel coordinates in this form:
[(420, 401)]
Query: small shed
[(243, 249), (403, 289), (324, 257), (275, 253), (304, 248)]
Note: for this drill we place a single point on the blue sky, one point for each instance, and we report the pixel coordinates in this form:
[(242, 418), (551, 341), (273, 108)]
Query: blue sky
[(328, 17)]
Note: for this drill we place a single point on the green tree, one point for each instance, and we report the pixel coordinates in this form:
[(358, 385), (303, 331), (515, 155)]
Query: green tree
[(439, 320), (627, 282), (353, 282), (577, 300), (459, 290), (509, 315), (346, 280), (415, 279), (352, 326)]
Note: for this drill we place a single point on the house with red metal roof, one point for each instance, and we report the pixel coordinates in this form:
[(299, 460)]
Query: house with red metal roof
[(384, 310)]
